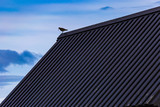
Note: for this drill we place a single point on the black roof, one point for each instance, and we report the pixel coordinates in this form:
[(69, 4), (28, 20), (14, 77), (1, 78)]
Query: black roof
[(114, 63)]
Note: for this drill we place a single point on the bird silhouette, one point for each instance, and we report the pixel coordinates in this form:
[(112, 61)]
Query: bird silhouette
[(62, 29)]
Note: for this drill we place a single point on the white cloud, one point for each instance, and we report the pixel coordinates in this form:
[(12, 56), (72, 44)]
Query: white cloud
[(5, 90), (66, 7), (37, 30), (38, 33), (38, 43), (20, 22), (13, 70), (19, 70), (88, 6)]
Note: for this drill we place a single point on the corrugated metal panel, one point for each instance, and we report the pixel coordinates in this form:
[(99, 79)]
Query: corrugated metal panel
[(114, 63)]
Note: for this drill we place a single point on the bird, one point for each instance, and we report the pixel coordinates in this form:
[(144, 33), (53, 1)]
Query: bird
[(62, 29)]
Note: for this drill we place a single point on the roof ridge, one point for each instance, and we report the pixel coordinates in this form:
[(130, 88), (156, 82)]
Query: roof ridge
[(112, 21)]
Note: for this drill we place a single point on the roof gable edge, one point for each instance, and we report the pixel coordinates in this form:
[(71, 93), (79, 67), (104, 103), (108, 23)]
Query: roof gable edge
[(113, 21)]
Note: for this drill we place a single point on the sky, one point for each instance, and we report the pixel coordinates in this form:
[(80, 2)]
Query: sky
[(28, 28)]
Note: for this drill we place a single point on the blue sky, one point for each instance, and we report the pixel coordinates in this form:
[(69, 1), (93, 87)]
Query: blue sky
[(28, 28)]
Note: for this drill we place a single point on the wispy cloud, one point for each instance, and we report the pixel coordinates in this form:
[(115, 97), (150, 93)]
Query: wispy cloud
[(67, 6), (2, 84), (5, 79), (6, 89), (106, 8), (39, 21), (54, 8), (31, 2), (8, 57), (10, 78), (158, 2)]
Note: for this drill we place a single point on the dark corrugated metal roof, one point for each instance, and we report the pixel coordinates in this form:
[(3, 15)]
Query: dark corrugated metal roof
[(114, 63), (144, 105)]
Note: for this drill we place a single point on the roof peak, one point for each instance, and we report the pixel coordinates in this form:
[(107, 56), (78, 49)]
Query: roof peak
[(113, 21)]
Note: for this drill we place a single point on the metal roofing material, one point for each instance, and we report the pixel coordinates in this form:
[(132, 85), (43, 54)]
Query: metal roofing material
[(114, 63)]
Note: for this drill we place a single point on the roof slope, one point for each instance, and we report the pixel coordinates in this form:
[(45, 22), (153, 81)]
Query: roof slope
[(113, 63)]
